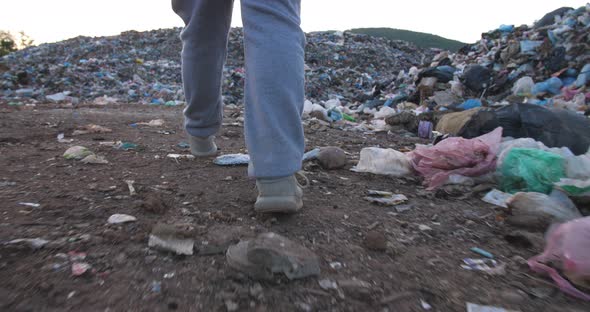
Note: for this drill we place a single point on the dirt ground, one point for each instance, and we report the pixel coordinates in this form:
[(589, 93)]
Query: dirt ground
[(418, 267)]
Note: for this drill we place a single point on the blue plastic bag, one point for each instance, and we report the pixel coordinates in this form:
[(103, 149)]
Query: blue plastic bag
[(552, 85), (584, 76), (506, 28), (469, 104), (529, 46)]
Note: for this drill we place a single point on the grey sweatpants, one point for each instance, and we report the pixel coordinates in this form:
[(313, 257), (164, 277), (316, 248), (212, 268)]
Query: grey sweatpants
[(274, 87)]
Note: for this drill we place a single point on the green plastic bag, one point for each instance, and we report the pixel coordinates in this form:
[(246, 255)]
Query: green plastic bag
[(531, 170), (574, 188)]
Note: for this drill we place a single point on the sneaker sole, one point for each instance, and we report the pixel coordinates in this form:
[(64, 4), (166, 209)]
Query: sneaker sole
[(205, 154), (278, 204)]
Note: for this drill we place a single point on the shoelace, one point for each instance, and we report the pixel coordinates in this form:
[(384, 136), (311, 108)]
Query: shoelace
[(301, 174)]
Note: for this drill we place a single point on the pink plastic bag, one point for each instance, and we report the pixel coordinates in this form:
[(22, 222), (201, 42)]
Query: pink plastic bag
[(466, 157), (568, 246)]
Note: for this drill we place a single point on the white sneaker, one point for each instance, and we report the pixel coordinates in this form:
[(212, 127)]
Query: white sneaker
[(203, 147)]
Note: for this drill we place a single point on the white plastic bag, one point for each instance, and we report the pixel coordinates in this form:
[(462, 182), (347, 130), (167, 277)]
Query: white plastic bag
[(383, 161)]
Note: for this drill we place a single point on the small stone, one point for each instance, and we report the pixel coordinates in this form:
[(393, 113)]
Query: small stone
[(220, 237), (121, 218), (424, 228), (231, 306), (256, 290), (403, 208), (356, 288), (150, 259), (375, 240), (332, 158), (512, 296), (327, 284), (172, 305), (121, 258), (523, 239), (155, 204), (303, 306), (270, 253), (33, 243), (336, 265)]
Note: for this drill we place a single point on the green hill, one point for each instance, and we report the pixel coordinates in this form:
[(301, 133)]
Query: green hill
[(422, 40)]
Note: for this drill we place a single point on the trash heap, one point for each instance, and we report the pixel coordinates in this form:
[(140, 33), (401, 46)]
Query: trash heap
[(546, 64), (144, 67)]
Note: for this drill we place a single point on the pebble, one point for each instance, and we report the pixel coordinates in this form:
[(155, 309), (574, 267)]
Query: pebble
[(375, 240), (327, 284), (33, 243), (271, 253), (332, 157), (424, 228), (512, 296), (231, 306), (155, 204)]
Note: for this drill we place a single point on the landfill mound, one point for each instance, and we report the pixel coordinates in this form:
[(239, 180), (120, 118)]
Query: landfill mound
[(145, 67), (456, 169)]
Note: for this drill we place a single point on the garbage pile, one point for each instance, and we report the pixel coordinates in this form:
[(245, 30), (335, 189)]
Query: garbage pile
[(546, 64), (144, 67)]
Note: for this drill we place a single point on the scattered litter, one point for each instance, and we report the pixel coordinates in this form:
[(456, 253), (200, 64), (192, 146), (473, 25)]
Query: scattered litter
[(34, 243), (466, 157), (472, 307), (7, 183), (80, 268), (232, 160), (568, 246), (34, 205), (181, 156), (403, 208), (168, 238), (336, 265), (496, 197), (538, 211), (152, 123), (156, 287), (482, 252), (91, 129), (386, 198), (94, 159), (383, 161), (77, 152), (127, 146), (424, 228), (61, 139), (121, 218), (327, 284), (531, 170), (131, 187), (244, 159), (425, 305)]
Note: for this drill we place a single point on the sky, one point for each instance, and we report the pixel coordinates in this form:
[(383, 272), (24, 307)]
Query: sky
[(55, 20)]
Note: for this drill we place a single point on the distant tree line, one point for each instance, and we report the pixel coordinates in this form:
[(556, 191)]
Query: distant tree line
[(421, 40), (10, 42)]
